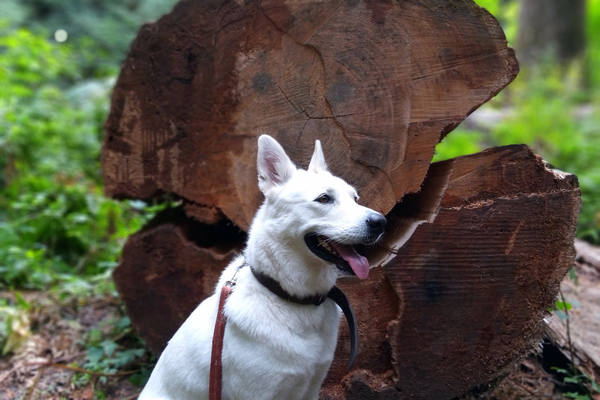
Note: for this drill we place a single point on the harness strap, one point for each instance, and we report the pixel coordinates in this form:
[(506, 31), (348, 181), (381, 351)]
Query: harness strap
[(216, 357)]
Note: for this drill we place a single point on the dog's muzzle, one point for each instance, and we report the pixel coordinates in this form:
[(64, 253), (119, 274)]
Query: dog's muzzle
[(375, 226)]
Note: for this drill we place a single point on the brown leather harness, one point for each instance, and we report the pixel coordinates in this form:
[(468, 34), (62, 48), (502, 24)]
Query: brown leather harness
[(216, 361)]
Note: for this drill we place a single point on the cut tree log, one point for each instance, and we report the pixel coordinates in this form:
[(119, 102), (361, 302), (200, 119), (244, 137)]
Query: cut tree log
[(380, 83), (168, 268), (445, 309)]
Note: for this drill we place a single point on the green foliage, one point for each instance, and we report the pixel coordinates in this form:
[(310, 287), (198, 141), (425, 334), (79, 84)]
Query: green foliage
[(102, 31), (40, 129), (56, 228), (593, 44), (112, 347), (54, 221), (28, 60), (561, 309), (459, 142), (585, 385), (563, 305)]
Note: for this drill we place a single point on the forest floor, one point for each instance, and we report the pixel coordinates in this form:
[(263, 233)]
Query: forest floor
[(47, 364)]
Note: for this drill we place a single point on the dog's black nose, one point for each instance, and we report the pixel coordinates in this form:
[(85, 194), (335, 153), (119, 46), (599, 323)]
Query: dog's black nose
[(376, 223)]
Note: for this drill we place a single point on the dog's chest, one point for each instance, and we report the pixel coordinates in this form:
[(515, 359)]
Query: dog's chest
[(284, 350), (282, 325)]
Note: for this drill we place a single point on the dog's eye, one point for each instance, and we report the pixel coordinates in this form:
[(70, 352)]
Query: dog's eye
[(324, 199)]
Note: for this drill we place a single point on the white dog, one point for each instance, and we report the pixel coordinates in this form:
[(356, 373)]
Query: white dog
[(302, 237)]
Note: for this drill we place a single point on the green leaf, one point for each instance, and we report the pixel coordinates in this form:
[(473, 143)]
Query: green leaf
[(109, 347), (560, 370), (572, 379), (578, 396), (93, 356), (94, 336), (595, 386), (21, 302), (563, 305), (573, 275)]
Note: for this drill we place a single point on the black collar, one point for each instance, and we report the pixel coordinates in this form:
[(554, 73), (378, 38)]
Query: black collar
[(275, 287), (334, 294)]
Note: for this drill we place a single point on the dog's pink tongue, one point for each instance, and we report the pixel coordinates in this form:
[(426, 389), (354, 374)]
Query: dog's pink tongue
[(358, 263)]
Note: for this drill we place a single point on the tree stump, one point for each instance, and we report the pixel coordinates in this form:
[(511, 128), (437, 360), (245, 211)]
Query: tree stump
[(475, 247)]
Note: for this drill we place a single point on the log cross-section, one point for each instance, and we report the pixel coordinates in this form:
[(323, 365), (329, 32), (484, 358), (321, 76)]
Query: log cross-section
[(380, 83)]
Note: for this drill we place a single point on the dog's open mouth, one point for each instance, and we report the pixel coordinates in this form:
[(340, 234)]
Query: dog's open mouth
[(344, 256)]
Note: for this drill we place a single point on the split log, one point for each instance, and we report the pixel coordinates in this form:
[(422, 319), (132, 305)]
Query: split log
[(474, 284), (464, 276), (380, 83)]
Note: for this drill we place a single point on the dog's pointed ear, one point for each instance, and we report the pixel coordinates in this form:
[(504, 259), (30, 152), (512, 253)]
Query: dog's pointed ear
[(317, 162), (274, 166)]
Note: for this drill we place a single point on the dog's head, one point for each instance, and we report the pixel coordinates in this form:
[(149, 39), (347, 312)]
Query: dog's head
[(314, 211)]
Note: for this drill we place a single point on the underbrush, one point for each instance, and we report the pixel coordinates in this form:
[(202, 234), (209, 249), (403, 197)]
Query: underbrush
[(58, 233)]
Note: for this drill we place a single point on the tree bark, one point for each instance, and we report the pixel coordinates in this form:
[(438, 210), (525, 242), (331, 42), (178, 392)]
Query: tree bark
[(168, 267), (447, 308)]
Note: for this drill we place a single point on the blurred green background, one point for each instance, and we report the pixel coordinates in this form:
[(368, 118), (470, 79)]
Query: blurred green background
[(553, 105), (59, 60)]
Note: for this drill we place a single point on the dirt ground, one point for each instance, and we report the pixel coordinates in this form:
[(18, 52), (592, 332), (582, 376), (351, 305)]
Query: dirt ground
[(39, 369), (32, 373)]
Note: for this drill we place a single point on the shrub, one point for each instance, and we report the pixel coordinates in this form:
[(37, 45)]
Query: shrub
[(54, 221)]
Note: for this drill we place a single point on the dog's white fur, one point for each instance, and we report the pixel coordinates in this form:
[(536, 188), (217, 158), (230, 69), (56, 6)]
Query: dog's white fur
[(273, 349)]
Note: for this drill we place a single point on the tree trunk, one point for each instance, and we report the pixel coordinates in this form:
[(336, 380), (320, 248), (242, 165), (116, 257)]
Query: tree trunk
[(475, 246), (553, 28)]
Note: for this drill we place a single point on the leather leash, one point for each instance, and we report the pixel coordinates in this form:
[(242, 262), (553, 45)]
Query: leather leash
[(215, 381), (216, 362)]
